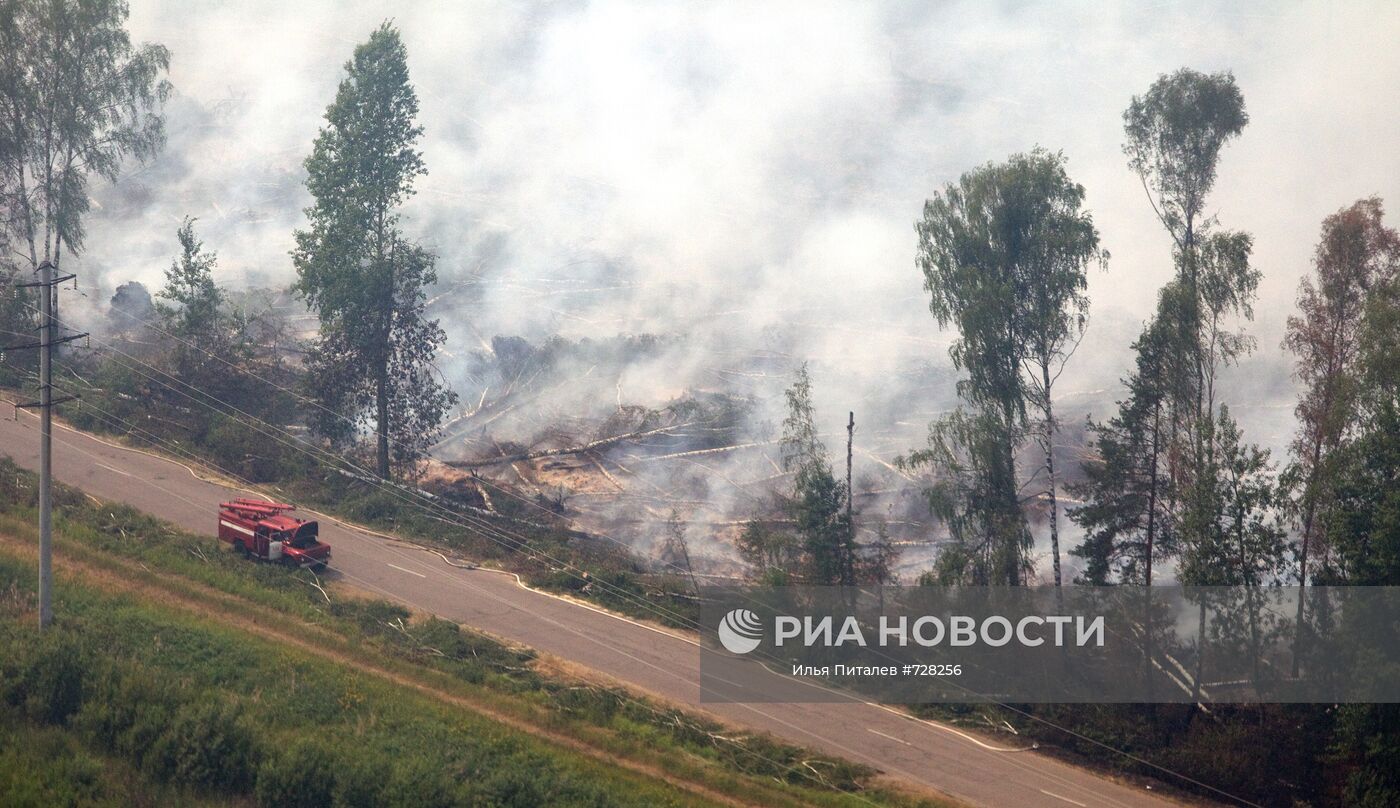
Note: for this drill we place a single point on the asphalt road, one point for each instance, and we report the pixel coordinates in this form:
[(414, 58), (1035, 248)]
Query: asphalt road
[(978, 770)]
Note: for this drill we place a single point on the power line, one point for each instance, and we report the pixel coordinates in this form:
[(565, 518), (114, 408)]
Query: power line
[(798, 768), (187, 454), (624, 595), (350, 421), (341, 416), (499, 489), (506, 538)]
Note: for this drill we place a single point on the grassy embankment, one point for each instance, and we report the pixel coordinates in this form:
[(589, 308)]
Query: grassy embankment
[(179, 674)]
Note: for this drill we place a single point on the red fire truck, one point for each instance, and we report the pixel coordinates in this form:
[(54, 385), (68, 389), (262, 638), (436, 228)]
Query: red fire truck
[(263, 530)]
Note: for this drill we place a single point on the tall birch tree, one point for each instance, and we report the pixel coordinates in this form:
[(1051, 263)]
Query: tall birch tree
[(373, 362)]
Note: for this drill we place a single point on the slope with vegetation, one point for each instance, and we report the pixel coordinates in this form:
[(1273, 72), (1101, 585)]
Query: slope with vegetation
[(179, 671)]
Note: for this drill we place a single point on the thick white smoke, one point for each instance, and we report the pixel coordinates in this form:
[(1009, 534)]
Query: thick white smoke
[(745, 177)]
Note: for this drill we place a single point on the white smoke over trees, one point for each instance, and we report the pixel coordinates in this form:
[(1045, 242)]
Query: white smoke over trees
[(742, 181)]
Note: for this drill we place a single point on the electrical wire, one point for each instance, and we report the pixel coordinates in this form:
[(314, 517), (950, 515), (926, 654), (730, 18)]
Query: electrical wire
[(582, 575), (252, 488)]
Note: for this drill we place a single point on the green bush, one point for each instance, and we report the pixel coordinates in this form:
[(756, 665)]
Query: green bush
[(359, 782), (49, 687), (42, 768), (300, 776), (516, 782), (377, 506), (207, 746), (416, 783), (1370, 734), (232, 445), (124, 711)]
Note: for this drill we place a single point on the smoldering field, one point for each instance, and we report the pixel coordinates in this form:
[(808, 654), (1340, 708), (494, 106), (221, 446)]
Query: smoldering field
[(665, 204)]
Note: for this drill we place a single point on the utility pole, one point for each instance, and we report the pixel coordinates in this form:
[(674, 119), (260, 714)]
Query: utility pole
[(46, 445), (850, 500), (48, 326)]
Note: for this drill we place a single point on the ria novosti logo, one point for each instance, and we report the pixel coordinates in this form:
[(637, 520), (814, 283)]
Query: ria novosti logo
[(740, 631)]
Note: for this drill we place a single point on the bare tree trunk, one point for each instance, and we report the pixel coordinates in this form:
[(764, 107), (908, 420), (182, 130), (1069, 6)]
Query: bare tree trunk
[(1011, 510), (848, 562), (381, 393), (1050, 471), (1200, 656), (1013, 532), (689, 570), (677, 548), (1189, 255), (381, 396), (1309, 513)]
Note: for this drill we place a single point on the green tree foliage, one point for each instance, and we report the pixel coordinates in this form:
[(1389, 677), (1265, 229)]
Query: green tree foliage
[(1058, 242), (820, 548), (77, 99), (972, 284), (1175, 133), (970, 240), (1355, 254), (18, 326), (1231, 534), (1363, 527), (1126, 517), (1368, 739), (200, 328), (191, 370), (1227, 288), (1147, 496), (1155, 485), (373, 360), (818, 502), (819, 508), (974, 496), (675, 549), (875, 560), (192, 306), (770, 552), (1003, 252)]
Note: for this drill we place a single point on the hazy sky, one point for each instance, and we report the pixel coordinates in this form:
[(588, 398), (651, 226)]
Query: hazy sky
[(731, 171)]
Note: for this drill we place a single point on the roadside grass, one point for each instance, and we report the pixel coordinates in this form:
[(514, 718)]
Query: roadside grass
[(389, 641), (204, 707), (43, 766)]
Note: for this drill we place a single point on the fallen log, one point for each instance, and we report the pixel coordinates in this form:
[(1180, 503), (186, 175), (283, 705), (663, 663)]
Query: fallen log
[(699, 452), (587, 447)]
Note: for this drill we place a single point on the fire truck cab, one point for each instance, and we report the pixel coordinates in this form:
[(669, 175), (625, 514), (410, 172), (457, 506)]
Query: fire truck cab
[(263, 530)]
